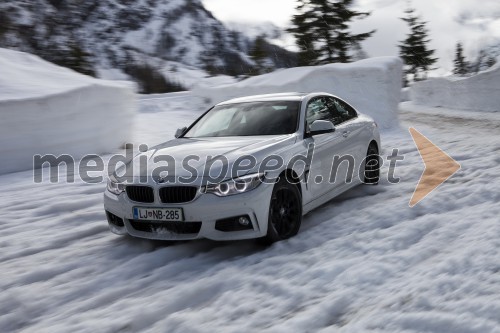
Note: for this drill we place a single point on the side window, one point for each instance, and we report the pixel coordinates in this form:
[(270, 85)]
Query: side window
[(345, 111), (319, 108), (336, 116)]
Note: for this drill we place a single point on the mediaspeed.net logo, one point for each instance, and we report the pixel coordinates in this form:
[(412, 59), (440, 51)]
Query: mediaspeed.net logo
[(163, 168)]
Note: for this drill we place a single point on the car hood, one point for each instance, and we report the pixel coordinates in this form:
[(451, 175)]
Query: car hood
[(205, 150)]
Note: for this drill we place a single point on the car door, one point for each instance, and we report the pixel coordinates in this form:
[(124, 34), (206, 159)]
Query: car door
[(326, 146), (352, 131)]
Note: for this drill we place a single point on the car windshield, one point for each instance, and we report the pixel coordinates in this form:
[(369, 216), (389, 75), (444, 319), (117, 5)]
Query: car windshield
[(247, 119)]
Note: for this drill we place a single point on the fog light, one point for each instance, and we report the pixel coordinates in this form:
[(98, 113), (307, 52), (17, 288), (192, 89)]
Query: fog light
[(236, 223), (244, 221)]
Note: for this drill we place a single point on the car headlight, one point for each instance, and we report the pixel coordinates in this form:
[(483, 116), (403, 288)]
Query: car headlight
[(235, 186), (115, 187)]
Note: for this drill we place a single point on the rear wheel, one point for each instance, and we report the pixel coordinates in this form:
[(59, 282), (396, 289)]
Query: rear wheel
[(285, 212), (372, 165)]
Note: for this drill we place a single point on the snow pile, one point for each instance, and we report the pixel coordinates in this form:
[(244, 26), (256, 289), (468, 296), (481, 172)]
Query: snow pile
[(47, 109), (478, 93), (373, 86), (405, 94)]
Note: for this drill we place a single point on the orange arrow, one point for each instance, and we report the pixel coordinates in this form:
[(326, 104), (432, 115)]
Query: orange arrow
[(439, 167)]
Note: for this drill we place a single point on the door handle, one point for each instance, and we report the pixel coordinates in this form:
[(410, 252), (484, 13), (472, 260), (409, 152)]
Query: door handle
[(345, 134)]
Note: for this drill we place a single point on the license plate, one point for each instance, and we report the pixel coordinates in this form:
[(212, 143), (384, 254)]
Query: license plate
[(158, 214)]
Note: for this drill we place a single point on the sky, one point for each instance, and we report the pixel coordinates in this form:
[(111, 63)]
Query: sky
[(474, 23)]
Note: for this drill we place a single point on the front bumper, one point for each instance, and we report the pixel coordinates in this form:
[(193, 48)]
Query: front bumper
[(205, 209)]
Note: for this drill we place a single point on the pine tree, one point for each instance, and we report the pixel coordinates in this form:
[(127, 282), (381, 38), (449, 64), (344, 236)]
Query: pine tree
[(4, 23), (413, 50), (70, 55), (151, 80), (235, 40), (321, 29), (302, 30), (359, 53), (208, 60), (79, 60), (483, 62), (461, 65), (258, 55), (490, 62)]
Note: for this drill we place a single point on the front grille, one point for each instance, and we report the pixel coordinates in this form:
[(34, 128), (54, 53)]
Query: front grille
[(177, 194), (140, 193), (159, 227), (115, 220)]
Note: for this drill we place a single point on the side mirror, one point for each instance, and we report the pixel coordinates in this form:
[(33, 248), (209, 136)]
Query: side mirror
[(180, 131), (321, 127)]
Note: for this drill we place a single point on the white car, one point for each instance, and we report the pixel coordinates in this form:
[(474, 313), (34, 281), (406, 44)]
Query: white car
[(248, 168)]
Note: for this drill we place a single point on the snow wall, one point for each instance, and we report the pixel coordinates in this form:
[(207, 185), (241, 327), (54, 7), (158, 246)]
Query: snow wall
[(372, 86), (478, 93), (47, 109)]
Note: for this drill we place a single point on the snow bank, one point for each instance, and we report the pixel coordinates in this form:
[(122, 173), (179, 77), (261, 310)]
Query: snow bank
[(478, 93), (47, 109), (405, 94), (373, 85)]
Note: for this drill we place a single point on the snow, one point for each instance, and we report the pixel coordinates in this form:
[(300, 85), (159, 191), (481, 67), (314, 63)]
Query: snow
[(410, 106), (365, 262), (190, 77), (480, 92), (112, 74), (405, 94), (162, 114), (253, 30), (271, 32), (144, 38), (373, 86), (177, 29), (186, 75), (47, 109)]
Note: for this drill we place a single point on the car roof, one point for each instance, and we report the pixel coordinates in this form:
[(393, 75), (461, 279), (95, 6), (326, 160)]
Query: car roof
[(289, 96)]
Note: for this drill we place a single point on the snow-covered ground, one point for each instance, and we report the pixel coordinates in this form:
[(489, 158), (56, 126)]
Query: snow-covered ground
[(364, 262), (40, 103)]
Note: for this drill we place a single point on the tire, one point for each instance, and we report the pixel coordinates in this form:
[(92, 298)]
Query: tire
[(372, 166), (285, 212)]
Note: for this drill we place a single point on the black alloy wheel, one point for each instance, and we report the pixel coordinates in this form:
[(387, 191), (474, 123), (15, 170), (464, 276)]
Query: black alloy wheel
[(372, 165), (285, 212)]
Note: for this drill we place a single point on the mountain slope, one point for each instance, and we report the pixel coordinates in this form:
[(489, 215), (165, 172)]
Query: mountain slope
[(115, 34)]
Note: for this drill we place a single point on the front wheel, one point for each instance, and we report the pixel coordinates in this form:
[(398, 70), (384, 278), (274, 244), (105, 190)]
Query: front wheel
[(372, 165), (285, 212)]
